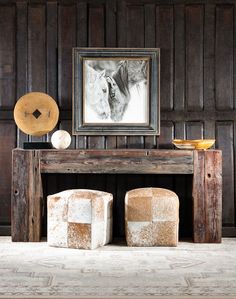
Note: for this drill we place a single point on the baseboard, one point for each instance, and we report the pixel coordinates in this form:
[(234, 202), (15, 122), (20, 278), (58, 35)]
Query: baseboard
[(5, 230), (229, 232)]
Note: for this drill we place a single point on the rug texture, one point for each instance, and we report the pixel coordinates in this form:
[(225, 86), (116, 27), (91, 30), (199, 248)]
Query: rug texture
[(35, 270)]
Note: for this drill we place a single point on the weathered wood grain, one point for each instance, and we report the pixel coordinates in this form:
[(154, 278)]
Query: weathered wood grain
[(66, 41), (35, 197), (209, 57), (27, 197), (20, 196), (7, 57), (165, 41), (205, 165), (199, 215), (207, 197), (179, 57), (224, 57), (213, 196), (224, 137), (194, 57), (107, 161)]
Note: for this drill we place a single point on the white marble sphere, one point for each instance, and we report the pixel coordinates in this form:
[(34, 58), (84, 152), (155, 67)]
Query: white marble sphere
[(61, 139)]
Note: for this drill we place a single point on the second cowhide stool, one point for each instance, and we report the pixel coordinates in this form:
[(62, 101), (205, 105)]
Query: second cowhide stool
[(80, 218), (151, 217)]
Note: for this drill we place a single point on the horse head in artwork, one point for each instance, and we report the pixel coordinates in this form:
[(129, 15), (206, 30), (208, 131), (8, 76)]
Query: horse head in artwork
[(97, 92), (128, 74), (119, 92)]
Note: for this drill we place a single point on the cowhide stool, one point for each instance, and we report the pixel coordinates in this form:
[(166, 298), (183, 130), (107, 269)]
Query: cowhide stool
[(151, 217), (80, 219)]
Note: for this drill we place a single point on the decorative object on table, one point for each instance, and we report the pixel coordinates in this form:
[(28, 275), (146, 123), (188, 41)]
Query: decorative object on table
[(199, 144), (151, 217), (37, 145), (116, 91), (36, 113), (80, 218), (61, 139)]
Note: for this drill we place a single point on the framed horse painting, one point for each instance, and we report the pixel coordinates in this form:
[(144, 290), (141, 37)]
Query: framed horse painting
[(116, 91)]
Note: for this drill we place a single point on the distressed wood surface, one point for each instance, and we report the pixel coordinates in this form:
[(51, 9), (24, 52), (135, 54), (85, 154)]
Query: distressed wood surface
[(207, 197), (205, 165), (19, 197), (115, 161), (27, 197)]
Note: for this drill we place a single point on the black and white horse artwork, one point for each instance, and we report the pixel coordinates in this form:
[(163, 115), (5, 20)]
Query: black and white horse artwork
[(112, 84)]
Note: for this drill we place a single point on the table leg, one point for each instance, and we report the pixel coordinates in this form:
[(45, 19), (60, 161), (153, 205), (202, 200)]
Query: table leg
[(26, 196), (207, 197)]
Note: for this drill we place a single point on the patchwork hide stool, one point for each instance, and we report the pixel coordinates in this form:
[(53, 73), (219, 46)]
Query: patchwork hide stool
[(79, 218), (151, 217)]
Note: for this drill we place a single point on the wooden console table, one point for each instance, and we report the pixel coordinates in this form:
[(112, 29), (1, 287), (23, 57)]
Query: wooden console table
[(206, 167)]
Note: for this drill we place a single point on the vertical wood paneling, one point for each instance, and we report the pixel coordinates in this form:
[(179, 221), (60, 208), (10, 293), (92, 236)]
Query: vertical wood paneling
[(224, 137), (209, 58), (66, 41), (96, 26), (179, 61), (82, 24), (121, 23), (165, 139), (21, 52), (165, 41), (224, 57), (110, 24), (7, 57), (135, 23), (36, 48), (194, 130), (150, 24), (52, 49), (194, 57), (7, 134)]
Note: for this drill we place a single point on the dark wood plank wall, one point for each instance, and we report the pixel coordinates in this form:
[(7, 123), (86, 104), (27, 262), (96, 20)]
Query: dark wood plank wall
[(198, 82)]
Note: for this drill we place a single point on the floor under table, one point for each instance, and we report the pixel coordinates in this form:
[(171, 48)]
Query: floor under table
[(35, 270)]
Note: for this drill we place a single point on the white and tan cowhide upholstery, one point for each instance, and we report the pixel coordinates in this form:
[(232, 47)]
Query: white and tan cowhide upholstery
[(79, 218), (151, 217)]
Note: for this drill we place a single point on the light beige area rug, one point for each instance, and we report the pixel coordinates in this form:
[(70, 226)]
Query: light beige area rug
[(35, 270)]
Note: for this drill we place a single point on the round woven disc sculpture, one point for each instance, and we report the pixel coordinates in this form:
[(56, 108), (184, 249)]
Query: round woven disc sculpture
[(36, 113)]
